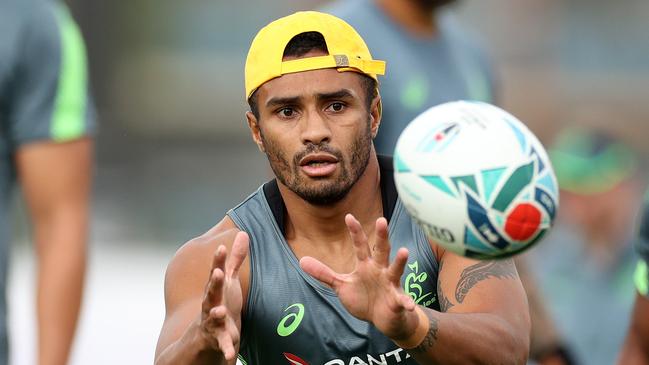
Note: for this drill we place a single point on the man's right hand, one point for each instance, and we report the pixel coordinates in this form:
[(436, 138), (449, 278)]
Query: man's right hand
[(220, 320)]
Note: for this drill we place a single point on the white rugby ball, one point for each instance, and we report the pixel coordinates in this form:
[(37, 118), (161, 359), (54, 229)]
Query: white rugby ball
[(476, 180)]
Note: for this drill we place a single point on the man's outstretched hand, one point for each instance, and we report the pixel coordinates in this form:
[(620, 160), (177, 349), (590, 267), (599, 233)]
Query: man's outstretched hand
[(372, 292), (220, 321)]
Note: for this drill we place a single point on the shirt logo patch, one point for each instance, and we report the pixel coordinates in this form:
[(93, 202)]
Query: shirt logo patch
[(294, 360), (412, 285), (291, 321)]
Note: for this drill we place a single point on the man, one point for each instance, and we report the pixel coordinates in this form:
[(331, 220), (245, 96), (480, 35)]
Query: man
[(45, 124), (389, 295), (601, 185), (635, 350), (432, 58)]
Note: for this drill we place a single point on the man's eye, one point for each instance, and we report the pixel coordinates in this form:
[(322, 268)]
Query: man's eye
[(286, 112), (337, 107)]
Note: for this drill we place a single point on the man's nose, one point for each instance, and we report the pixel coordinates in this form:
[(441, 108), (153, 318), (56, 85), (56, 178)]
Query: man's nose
[(315, 128)]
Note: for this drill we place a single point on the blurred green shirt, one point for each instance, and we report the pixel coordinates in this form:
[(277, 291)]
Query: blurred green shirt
[(43, 96)]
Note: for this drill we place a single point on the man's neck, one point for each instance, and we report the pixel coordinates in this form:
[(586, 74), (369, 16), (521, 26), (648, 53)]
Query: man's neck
[(313, 225), (415, 19)]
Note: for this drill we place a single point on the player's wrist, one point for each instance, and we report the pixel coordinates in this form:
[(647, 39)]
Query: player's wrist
[(200, 338), (203, 345), (417, 335)]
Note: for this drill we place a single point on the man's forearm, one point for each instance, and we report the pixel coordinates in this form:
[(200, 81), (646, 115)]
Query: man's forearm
[(55, 179), (470, 338), (544, 335), (635, 350), (61, 272), (632, 352)]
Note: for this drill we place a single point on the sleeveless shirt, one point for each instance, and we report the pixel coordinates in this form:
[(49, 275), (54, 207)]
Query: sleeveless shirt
[(641, 276), (292, 318)]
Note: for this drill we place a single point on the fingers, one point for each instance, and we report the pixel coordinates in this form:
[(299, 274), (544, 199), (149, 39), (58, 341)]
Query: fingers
[(224, 331), (381, 251), (319, 271), (217, 320), (238, 254), (359, 238), (219, 257), (218, 313), (215, 283), (398, 265), (226, 344), (214, 290), (222, 264)]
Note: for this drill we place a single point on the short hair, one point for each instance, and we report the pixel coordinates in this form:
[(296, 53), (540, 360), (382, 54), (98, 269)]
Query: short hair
[(304, 43)]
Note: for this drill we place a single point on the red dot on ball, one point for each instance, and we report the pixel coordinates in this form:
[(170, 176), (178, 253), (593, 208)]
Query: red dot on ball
[(523, 222)]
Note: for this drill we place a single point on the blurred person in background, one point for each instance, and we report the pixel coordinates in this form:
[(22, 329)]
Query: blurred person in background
[(636, 347), (45, 144), (433, 59), (584, 264)]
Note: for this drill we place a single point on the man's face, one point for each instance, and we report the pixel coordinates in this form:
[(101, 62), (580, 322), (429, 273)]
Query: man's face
[(316, 132), (605, 218)]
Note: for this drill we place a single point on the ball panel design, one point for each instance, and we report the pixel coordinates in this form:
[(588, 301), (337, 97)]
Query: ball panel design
[(476, 180), (523, 222)]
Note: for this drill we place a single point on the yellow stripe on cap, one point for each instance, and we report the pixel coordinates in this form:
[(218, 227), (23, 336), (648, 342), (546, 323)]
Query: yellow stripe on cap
[(342, 62), (348, 51)]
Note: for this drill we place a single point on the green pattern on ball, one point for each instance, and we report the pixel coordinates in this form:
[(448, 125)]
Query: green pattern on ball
[(399, 165), (468, 180), (519, 179), (490, 179)]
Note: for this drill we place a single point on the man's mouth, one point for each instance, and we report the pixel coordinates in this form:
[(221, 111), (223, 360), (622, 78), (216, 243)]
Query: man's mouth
[(318, 165)]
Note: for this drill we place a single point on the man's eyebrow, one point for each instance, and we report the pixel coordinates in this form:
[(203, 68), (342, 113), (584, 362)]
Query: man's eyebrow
[(288, 100), (340, 94), (282, 101)]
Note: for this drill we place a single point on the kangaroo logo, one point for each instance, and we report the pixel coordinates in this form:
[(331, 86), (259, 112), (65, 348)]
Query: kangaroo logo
[(413, 287)]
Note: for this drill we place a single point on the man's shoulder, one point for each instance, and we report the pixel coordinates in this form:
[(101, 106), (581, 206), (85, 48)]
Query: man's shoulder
[(202, 248), (189, 269), (24, 24), (23, 9), (33, 16)]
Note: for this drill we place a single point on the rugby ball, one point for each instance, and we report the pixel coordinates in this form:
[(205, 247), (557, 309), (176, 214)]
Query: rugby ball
[(476, 180)]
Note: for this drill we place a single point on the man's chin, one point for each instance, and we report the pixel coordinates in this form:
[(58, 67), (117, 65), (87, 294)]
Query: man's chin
[(323, 195), (322, 201)]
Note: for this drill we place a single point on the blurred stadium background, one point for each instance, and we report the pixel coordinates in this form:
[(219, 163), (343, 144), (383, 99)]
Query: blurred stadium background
[(174, 153)]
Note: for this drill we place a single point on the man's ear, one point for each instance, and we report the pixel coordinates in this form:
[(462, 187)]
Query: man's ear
[(376, 110), (253, 124)]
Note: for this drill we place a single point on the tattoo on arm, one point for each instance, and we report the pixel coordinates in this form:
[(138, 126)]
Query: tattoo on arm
[(431, 336), (472, 275), (444, 303)]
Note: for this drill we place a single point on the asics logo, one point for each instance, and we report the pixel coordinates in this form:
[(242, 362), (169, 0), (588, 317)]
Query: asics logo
[(291, 321)]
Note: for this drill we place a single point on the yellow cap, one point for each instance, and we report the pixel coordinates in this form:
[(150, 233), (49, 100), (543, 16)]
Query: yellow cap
[(347, 50)]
